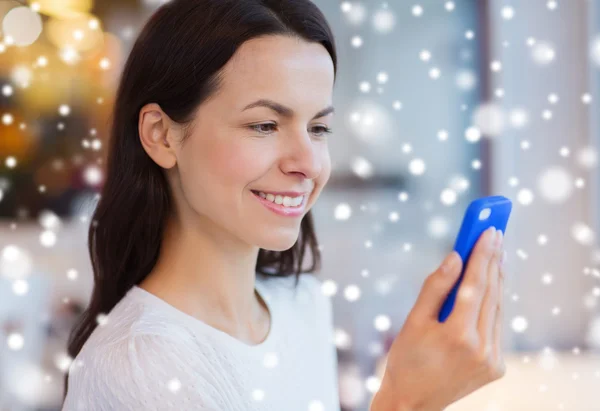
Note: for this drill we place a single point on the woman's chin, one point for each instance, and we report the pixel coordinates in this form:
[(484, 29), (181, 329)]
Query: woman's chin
[(279, 242)]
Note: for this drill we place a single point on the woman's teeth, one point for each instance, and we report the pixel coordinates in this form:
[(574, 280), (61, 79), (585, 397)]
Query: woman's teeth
[(282, 200)]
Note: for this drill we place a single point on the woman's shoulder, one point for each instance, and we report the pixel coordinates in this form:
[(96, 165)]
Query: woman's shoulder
[(137, 370), (131, 323), (115, 326)]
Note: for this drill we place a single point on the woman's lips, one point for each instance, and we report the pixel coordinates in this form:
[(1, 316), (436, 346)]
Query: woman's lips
[(281, 209)]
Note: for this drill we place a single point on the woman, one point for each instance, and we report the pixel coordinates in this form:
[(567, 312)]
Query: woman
[(218, 151)]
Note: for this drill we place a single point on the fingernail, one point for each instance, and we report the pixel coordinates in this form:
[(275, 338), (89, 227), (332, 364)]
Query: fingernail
[(492, 236), (449, 263)]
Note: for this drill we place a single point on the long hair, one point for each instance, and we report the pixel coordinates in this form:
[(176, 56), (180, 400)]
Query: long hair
[(175, 62)]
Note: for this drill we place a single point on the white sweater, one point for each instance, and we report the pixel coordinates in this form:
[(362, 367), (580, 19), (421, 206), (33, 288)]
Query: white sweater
[(149, 355)]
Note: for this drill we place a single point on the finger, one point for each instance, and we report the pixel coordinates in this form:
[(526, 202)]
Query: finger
[(436, 288), (487, 313), (472, 288), (499, 322)]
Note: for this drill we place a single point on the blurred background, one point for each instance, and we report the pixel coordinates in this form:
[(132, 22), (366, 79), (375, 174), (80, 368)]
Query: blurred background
[(439, 102)]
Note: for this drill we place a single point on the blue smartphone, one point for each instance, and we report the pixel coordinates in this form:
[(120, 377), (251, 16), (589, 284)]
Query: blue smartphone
[(481, 214)]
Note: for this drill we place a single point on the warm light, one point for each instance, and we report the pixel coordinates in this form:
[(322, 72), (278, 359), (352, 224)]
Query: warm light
[(54, 176), (42, 61), (7, 119), (21, 75), (62, 8), (106, 58), (69, 55), (93, 24), (78, 34), (14, 141), (21, 26), (74, 32), (104, 64)]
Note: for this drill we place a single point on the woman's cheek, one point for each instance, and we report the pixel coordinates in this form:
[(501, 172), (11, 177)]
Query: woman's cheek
[(245, 163)]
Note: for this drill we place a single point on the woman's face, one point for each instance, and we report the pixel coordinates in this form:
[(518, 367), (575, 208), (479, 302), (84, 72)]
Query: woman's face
[(232, 150)]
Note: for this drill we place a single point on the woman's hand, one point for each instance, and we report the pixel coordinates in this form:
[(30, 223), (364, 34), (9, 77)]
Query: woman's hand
[(431, 364)]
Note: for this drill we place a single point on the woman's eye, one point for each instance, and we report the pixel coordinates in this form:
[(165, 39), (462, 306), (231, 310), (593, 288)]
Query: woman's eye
[(324, 129), (320, 129), (255, 127)]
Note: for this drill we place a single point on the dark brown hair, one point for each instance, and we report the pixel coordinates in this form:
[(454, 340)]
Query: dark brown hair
[(175, 62)]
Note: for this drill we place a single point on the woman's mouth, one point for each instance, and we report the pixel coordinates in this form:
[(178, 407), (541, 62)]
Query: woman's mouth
[(282, 205)]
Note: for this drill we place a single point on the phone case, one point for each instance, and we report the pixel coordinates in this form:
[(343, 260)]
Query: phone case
[(470, 230)]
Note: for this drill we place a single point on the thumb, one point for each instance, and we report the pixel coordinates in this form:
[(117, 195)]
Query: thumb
[(436, 288)]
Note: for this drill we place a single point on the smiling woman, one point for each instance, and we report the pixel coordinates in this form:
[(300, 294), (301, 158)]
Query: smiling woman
[(218, 152)]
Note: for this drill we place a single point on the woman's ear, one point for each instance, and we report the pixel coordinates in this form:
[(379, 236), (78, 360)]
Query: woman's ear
[(153, 128)]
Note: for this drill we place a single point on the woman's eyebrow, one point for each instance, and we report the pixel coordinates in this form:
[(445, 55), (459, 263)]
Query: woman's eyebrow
[(283, 110)]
